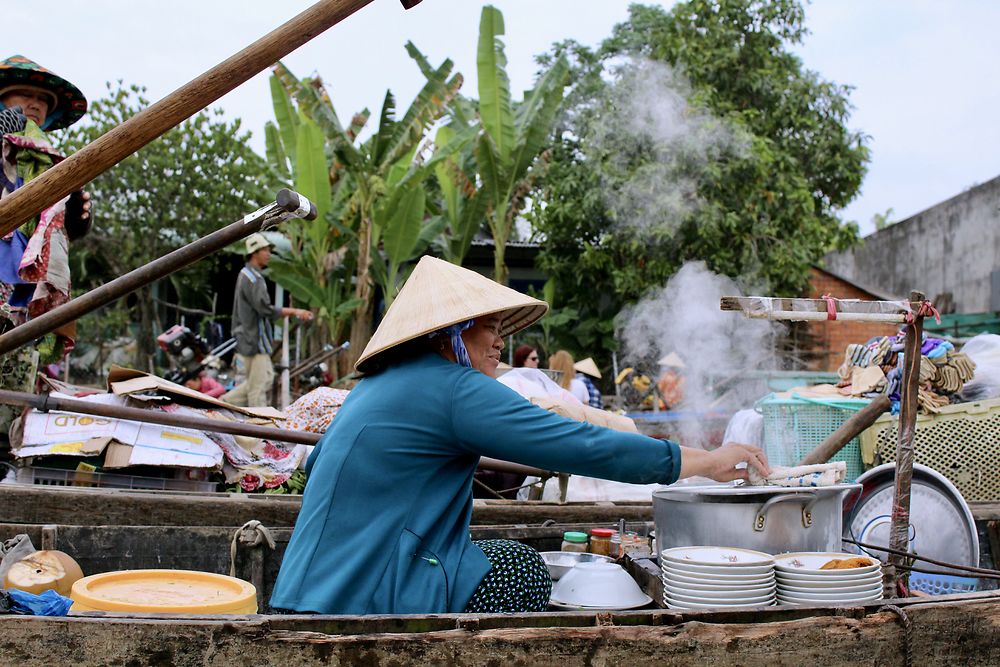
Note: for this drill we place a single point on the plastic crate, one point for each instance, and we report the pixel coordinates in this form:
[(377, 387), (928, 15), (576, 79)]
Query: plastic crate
[(795, 426), (942, 584), (961, 441), (58, 477)]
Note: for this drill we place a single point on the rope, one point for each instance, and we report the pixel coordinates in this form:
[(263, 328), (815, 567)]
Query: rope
[(831, 307), (907, 631), (252, 534), (926, 309)]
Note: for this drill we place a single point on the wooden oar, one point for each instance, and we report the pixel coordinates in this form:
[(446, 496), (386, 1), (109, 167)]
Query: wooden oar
[(287, 205), (120, 142), (46, 402), (849, 430)]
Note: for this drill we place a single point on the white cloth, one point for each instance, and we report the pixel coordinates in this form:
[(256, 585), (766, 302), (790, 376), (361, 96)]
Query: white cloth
[(822, 474), (579, 390)]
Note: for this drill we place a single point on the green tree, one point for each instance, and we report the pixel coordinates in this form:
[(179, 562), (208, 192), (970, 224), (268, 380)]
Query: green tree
[(694, 134), (379, 184), (195, 179), (513, 136), (883, 220)]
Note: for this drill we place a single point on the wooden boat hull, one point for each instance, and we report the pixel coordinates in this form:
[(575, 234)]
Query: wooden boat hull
[(958, 630)]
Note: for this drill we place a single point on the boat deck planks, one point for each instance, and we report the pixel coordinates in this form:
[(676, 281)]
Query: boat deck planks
[(958, 630)]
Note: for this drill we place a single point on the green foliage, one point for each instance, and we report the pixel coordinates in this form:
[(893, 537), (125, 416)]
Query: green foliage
[(748, 175), (512, 138), (883, 220), (195, 179), (374, 191)]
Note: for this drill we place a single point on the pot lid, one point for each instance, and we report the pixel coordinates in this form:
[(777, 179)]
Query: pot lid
[(744, 493), (941, 523)]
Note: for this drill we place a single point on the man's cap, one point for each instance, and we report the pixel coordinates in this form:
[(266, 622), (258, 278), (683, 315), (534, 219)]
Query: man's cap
[(257, 241)]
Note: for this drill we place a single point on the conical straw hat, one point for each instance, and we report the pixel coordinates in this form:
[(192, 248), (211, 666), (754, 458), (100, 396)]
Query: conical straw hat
[(438, 294), (673, 359), (588, 367)]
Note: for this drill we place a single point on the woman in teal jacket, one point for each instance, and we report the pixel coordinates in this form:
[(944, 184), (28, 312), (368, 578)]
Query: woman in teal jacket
[(384, 525)]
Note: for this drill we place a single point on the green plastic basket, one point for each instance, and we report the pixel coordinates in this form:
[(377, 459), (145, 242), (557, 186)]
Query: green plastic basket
[(795, 425)]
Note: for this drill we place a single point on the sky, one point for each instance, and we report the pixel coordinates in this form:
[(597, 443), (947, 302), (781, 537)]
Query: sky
[(923, 71)]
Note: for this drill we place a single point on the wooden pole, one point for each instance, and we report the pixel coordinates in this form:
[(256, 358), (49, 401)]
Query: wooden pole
[(120, 142), (849, 430), (46, 402), (899, 532), (288, 204)]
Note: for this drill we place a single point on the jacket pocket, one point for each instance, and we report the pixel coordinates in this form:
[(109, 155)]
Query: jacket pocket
[(415, 581)]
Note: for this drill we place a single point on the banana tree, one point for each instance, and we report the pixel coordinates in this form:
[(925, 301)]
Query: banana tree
[(513, 136), (381, 179), (315, 273)]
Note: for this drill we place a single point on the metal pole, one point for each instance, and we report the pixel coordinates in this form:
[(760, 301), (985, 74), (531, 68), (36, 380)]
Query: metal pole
[(899, 532), (289, 204), (46, 402), (120, 142)]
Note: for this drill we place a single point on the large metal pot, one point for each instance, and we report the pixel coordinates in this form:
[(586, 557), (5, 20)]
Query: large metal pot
[(771, 519)]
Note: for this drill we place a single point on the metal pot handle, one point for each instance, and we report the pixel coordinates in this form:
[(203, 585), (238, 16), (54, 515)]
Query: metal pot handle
[(807, 500)]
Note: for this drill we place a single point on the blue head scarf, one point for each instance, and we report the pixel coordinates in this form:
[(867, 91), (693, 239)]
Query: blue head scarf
[(457, 344)]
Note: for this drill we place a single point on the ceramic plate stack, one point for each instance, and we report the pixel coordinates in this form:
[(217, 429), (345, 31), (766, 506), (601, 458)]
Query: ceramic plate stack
[(714, 577), (802, 581)]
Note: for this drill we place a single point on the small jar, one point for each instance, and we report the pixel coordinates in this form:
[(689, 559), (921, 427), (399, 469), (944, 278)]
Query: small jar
[(574, 541), (600, 541)]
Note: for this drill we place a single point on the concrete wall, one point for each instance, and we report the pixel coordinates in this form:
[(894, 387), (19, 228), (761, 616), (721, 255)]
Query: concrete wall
[(951, 247)]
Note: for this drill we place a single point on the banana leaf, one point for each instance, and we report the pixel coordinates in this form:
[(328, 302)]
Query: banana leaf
[(494, 86)]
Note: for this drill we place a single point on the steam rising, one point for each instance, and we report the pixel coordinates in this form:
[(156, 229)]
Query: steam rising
[(716, 346), (663, 141)]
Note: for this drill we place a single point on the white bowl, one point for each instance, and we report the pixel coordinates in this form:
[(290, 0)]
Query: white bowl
[(701, 599), (676, 572), (805, 579), (704, 586), (716, 556), (598, 584), (811, 562), (679, 604), (795, 599), (826, 590), (561, 562), (731, 570), (751, 594)]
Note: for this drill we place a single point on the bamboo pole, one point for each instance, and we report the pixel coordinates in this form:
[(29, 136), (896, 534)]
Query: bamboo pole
[(46, 402), (120, 142), (288, 204), (899, 531)]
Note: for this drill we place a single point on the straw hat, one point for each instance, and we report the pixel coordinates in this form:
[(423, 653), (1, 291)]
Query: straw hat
[(67, 102), (673, 359), (588, 367), (438, 294)]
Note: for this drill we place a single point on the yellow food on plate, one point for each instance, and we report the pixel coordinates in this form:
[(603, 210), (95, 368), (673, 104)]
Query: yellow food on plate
[(846, 563)]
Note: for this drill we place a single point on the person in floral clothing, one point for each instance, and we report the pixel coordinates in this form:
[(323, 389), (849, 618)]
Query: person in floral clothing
[(34, 259)]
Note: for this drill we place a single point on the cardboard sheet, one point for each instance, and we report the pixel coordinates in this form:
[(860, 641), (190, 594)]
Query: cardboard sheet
[(124, 381)]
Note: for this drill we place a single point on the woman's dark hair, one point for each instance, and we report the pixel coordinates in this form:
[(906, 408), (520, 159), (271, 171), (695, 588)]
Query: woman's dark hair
[(522, 353)]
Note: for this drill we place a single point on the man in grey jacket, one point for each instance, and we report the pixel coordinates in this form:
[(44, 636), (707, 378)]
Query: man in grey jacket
[(252, 315)]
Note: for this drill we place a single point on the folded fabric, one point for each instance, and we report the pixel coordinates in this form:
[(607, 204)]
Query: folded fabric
[(821, 474), (585, 413)]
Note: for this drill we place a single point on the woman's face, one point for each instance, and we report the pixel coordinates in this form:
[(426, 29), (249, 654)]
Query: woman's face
[(531, 361), (34, 102), (483, 342)]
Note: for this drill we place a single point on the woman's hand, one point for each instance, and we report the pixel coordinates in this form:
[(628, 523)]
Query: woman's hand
[(720, 464)]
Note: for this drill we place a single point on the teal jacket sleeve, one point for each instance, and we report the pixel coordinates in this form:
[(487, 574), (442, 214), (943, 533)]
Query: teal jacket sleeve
[(490, 419)]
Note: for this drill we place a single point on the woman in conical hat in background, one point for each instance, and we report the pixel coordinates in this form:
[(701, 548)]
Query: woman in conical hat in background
[(384, 525), (34, 259)]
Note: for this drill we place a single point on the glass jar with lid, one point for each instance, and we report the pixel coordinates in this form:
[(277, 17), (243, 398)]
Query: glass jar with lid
[(574, 541), (600, 541)]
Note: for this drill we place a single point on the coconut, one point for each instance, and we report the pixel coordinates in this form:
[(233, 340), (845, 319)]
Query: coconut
[(44, 570)]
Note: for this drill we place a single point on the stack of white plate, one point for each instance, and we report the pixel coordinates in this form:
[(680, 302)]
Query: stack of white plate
[(712, 577), (801, 581)]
